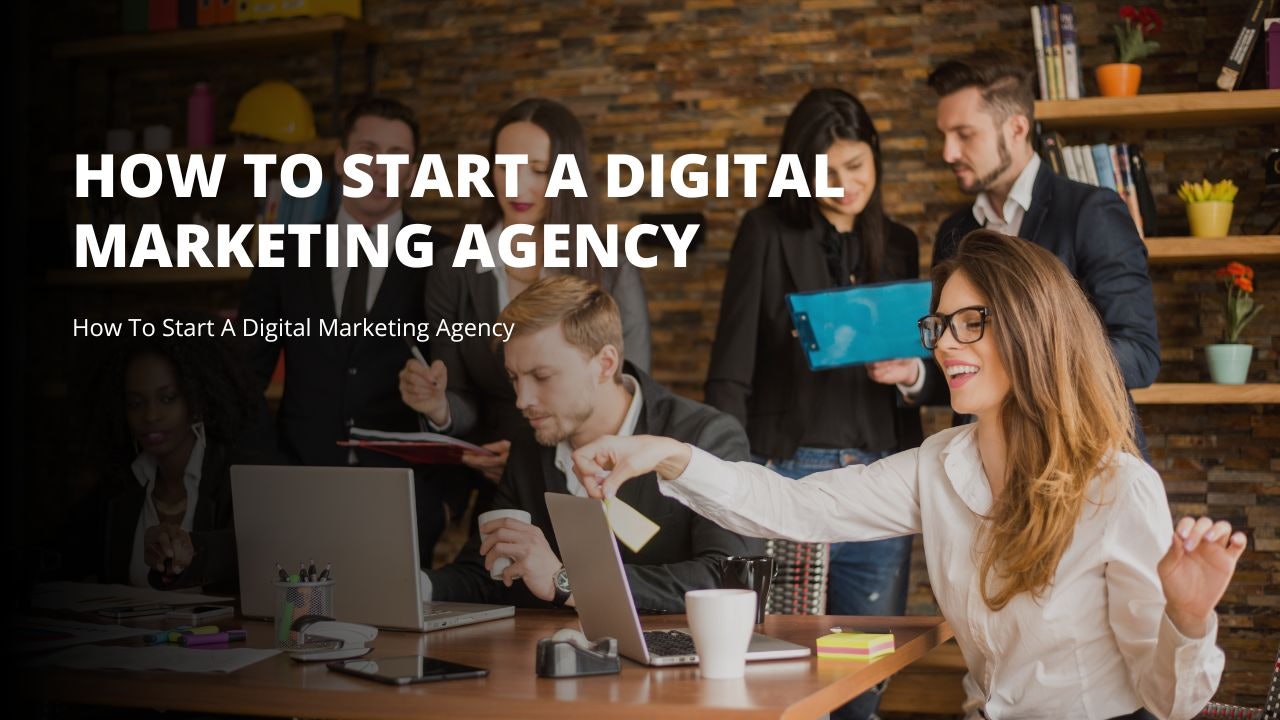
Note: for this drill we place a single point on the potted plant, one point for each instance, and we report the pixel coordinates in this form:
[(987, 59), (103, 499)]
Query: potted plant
[(1229, 361), (1120, 79), (1209, 206)]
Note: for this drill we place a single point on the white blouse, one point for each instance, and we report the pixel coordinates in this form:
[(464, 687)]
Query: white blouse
[(145, 468), (1096, 645)]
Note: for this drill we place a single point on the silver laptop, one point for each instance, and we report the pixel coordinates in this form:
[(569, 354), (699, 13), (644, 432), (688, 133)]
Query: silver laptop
[(362, 521), (603, 595)]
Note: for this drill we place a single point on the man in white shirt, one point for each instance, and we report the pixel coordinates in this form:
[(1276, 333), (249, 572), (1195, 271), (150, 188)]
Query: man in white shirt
[(565, 362), (986, 114)]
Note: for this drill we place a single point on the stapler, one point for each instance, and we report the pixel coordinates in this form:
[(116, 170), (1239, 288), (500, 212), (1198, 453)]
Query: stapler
[(568, 653), (323, 638)]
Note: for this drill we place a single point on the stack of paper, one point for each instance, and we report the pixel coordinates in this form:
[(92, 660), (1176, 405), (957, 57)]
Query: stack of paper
[(855, 645)]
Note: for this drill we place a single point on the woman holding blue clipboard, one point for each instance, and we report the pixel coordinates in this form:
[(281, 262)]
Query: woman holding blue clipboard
[(800, 421)]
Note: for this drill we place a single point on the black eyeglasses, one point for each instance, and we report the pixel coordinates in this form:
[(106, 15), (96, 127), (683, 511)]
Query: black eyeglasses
[(967, 325)]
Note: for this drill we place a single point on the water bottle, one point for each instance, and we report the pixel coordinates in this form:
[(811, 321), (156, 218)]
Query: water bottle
[(200, 117)]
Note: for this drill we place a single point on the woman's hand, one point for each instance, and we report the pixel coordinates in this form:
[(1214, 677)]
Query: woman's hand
[(895, 372), (1196, 570), (491, 466), (167, 542), (605, 464), (423, 389)]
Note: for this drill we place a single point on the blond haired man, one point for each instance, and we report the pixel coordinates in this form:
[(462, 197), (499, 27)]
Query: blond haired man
[(572, 385)]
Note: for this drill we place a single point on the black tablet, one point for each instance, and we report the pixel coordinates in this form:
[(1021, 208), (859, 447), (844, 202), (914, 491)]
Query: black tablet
[(406, 670)]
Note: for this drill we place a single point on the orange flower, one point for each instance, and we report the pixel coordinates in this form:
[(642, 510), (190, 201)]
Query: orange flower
[(1236, 269), (1244, 284)]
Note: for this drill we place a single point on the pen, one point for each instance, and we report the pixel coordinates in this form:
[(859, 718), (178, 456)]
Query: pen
[(212, 638), (417, 355)]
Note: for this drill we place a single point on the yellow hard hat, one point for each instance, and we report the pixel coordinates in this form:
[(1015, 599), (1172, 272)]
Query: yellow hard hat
[(277, 111)]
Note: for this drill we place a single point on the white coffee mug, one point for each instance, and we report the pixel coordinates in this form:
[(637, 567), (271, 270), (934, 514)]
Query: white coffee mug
[(501, 563), (721, 622)]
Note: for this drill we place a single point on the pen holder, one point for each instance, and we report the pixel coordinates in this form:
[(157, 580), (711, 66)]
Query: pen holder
[(296, 599)]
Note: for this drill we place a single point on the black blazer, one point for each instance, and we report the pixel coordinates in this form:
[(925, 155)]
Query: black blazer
[(333, 383), (1090, 230), (482, 403), (212, 529), (684, 555), (758, 372)]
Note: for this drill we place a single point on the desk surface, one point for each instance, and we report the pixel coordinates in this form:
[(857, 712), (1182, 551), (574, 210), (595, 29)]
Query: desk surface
[(281, 687)]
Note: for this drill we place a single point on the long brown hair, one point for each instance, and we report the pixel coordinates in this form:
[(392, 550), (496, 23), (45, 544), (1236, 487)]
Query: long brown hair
[(822, 117), (567, 138), (1065, 418)]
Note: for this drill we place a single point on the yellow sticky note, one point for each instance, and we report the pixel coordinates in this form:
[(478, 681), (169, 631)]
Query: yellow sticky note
[(630, 525)]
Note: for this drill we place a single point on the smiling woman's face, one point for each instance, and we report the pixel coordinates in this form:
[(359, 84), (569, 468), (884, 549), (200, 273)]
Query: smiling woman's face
[(977, 378)]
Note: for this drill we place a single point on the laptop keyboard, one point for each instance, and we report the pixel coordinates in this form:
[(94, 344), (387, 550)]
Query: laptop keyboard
[(669, 643), (430, 610)]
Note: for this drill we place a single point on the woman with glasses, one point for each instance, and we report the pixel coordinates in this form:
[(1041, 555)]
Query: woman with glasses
[(1049, 543)]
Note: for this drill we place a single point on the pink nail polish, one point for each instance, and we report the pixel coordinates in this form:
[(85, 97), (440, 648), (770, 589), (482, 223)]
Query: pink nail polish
[(1187, 546)]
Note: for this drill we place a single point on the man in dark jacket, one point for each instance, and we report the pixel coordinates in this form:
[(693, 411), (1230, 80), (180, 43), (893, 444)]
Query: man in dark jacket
[(986, 112), (565, 361), (332, 384)]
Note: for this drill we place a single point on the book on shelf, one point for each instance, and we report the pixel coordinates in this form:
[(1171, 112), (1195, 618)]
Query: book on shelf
[(1037, 38), (1271, 30), (1051, 145), (1070, 53), (1146, 200), (1102, 166), (1059, 75), (1130, 192), (1238, 58)]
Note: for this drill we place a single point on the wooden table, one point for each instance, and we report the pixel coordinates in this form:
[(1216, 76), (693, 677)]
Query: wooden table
[(803, 688)]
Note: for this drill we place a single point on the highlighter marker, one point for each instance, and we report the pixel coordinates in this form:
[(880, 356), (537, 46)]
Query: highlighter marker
[(221, 638)]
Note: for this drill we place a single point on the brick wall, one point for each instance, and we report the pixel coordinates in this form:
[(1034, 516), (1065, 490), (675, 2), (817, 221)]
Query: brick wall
[(716, 76)]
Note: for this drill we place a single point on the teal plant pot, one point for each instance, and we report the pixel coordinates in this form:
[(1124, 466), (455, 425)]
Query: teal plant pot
[(1229, 363)]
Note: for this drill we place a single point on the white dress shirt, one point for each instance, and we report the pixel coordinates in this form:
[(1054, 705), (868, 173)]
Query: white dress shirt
[(1009, 221), (340, 274), (564, 453), (145, 468), (1097, 644)]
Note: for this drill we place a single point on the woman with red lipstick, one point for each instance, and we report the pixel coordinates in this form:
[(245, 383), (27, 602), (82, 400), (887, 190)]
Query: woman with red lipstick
[(465, 392), (181, 404), (800, 421), (1049, 543)]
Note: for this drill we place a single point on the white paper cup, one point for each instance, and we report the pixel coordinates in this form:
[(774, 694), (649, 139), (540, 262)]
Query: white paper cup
[(501, 563), (721, 622)]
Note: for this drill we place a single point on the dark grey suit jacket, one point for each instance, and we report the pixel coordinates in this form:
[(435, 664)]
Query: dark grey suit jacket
[(333, 383), (1090, 230), (684, 555)]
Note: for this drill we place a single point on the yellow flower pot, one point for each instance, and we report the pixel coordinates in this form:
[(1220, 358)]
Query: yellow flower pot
[(1209, 219)]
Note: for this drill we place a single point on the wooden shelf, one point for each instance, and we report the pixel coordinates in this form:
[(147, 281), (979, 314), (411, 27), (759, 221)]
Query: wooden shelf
[(119, 277), (320, 147), (267, 35), (1171, 110), (1208, 394), (1256, 248)]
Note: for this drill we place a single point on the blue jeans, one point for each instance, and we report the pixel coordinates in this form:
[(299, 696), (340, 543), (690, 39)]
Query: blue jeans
[(866, 578)]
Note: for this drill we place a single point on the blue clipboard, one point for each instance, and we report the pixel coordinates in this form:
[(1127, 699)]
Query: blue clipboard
[(862, 324)]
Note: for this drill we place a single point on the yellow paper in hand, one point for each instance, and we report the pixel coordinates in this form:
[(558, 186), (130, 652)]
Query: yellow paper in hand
[(632, 528)]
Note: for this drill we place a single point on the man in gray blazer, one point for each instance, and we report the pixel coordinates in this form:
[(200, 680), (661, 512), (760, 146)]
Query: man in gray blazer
[(564, 360)]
